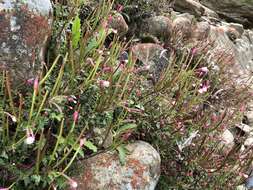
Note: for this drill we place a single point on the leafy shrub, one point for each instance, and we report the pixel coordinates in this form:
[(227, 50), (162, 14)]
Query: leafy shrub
[(86, 85)]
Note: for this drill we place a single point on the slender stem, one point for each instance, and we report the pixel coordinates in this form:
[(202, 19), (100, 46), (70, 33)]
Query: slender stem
[(8, 87), (37, 165), (57, 142), (50, 70)]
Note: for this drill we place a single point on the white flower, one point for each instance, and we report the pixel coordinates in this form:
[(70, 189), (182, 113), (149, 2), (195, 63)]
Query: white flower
[(204, 69), (30, 138), (203, 90), (104, 83), (73, 184)]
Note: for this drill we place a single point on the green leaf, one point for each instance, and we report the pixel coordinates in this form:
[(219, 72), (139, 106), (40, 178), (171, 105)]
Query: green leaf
[(36, 179), (125, 128), (90, 146), (76, 32), (122, 154)]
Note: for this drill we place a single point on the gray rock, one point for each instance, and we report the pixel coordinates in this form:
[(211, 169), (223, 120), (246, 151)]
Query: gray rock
[(25, 27), (194, 7), (239, 51), (158, 26), (240, 11), (201, 31), (249, 115), (227, 141), (118, 23), (182, 26), (189, 6), (104, 171), (154, 57), (238, 27), (249, 182)]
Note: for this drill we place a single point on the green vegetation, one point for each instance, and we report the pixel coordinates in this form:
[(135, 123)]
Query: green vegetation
[(85, 85)]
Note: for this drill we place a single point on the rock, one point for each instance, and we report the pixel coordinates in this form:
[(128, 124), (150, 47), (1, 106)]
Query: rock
[(248, 142), (227, 141), (99, 137), (238, 27), (158, 26), (201, 31), (194, 7), (249, 182), (104, 171), (249, 115), (233, 10), (189, 6), (245, 128), (241, 187), (182, 26), (239, 51), (118, 23), (25, 27), (153, 56)]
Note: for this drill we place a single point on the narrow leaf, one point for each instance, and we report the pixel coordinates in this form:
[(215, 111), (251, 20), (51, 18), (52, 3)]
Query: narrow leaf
[(76, 32), (90, 146), (126, 127), (122, 154)]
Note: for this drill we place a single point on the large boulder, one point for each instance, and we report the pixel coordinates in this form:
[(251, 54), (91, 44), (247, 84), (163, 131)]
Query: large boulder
[(233, 10), (237, 47), (104, 171), (25, 27), (193, 7)]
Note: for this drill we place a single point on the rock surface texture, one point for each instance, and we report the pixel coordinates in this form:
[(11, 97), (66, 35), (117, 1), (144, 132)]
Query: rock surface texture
[(104, 171), (240, 11), (25, 26)]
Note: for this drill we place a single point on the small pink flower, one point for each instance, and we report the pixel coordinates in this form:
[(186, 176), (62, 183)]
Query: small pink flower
[(204, 88), (75, 116), (107, 69), (110, 18), (72, 99), (73, 184), (30, 138), (204, 69), (104, 83), (36, 85), (30, 83), (243, 175), (82, 141), (120, 8), (194, 51), (2, 188)]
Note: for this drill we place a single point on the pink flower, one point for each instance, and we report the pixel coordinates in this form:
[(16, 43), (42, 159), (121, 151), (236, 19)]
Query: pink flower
[(107, 69), (75, 116), (36, 85), (30, 83), (104, 83), (204, 87), (110, 18), (202, 71), (73, 184), (30, 138), (120, 8), (2, 188), (82, 141), (194, 51)]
